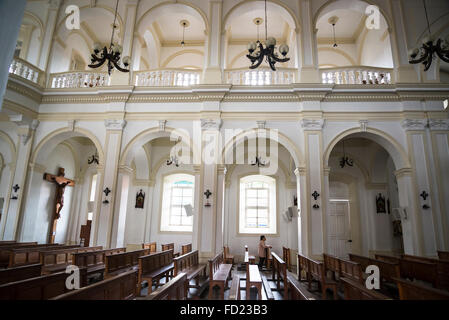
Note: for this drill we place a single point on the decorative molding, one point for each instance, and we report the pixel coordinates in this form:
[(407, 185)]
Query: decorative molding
[(363, 125), (301, 171), (112, 124), (439, 124), (261, 124), (404, 172), (414, 124), (211, 124), (71, 125), (162, 125), (312, 124)]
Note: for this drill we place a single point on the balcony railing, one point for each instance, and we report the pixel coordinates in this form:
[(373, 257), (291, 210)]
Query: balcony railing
[(260, 77), (167, 78), (27, 71), (79, 79), (357, 75)]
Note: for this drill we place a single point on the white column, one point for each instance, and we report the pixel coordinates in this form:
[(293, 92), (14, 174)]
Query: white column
[(313, 142), (105, 218), (427, 221), (120, 207), (308, 66), (11, 15), (8, 194), (213, 62), (26, 131), (405, 72), (440, 153), (197, 209), (219, 227), (303, 203), (47, 42)]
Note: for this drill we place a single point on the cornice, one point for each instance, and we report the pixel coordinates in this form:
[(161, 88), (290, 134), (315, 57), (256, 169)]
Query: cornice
[(25, 90)]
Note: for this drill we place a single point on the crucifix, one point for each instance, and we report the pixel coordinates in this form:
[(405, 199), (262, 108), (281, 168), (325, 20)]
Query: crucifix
[(61, 183)]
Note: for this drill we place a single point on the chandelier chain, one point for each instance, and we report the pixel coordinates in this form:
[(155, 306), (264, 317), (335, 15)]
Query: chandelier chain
[(114, 26), (427, 18)]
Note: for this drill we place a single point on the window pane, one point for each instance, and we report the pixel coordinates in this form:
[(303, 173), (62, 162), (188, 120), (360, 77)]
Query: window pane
[(177, 192), (251, 193), (251, 213), (263, 193), (262, 202), (263, 223), (177, 201), (175, 220), (251, 202), (262, 213)]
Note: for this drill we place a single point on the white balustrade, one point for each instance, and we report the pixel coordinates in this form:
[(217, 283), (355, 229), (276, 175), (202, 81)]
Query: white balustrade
[(357, 75), (167, 78), (27, 71), (260, 77), (79, 79)]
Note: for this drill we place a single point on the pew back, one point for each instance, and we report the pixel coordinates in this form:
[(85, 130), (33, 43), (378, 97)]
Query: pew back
[(19, 273), (443, 255), (409, 290), (57, 260), (186, 261), (286, 255), (155, 261), (122, 262), (173, 290), (351, 269), (186, 248), (152, 246)]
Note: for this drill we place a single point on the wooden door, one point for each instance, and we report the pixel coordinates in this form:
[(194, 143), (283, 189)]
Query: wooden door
[(339, 229)]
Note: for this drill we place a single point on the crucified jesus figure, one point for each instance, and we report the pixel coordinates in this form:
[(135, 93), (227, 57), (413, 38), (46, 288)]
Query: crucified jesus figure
[(61, 183)]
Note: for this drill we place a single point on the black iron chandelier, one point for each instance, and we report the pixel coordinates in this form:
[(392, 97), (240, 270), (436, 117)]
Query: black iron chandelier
[(184, 25), (93, 159), (345, 161), (111, 55), (259, 163), (429, 48), (257, 51)]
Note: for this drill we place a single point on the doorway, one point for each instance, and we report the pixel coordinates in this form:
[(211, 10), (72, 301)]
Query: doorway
[(340, 241)]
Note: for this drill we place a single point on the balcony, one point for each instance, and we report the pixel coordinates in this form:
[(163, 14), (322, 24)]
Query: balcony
[(167, 78), (260, 77), (79, 79), (357, 75), (26, 70)]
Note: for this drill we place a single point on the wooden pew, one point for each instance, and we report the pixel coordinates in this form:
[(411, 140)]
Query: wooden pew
[(287, 257), (354, 290), (57, 260), (409, 290), (351, 270), (155, 266), (219, 273), (317, 271), (332, 265), (123, 262), (388, 270), (19, 273), (94, 261), (152, 246), (253, 279), (279, 270), (443, 255), (11, 244), (189, 264), (120, 287), (442, 281), (8, 243), (228, 258), (267, 288), (234, 291), (414, 269), (170, 246), (303, 268), (186, 248), (173, 290), (296, 292), (24, 256), (39, 288), (6, 251)]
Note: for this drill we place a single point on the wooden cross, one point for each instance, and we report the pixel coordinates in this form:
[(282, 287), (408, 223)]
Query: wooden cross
[(61, 182)]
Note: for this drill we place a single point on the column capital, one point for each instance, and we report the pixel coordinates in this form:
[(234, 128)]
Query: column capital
[(300, 171), (112, 124), (162, 125), (439, 124), (211, 124), (261, 124), (414, 124), (221, 169), (312, 124), (404, 172), (326, 171)]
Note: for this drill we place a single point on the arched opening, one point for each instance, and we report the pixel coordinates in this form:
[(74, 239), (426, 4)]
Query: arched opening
[(172, 40), (7, 159), (357, 53), (160, 167), (260, 193), (364, 212), (30, 39), (62, 188), (245, 23)]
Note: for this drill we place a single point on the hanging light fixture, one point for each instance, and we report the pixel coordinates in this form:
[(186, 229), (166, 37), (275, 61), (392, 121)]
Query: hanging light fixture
[(257, 51), (333, 21), (259, 163), (111, 55), (93, 159), (345, 161), (184, 24), (426, 52)]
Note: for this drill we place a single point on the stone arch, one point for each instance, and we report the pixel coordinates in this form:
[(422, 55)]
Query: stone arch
[(12, 147), (395, 150), (246, 5), (340, 52), (150, 135), (194, 9), (56, 137), (180, 53), (283, 140)]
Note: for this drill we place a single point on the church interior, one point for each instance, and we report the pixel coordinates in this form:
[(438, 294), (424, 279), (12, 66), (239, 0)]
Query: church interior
[(224, 150)]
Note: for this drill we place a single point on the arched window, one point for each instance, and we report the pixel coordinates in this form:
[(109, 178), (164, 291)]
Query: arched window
[(257, 205), (178, 191)]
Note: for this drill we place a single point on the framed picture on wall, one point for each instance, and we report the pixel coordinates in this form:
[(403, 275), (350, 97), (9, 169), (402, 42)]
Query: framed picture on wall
[(140, 200), (380, 204)]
